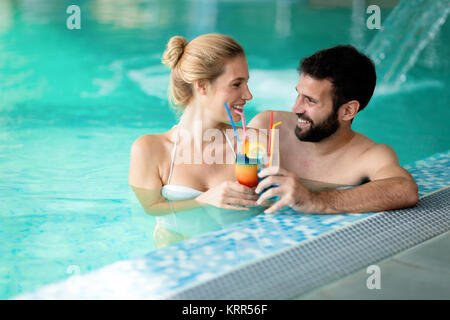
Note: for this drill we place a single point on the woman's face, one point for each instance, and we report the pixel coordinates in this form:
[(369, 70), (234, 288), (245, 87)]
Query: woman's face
[(230, 87)]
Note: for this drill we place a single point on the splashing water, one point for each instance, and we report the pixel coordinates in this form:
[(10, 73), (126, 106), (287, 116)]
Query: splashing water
[(406, 32)]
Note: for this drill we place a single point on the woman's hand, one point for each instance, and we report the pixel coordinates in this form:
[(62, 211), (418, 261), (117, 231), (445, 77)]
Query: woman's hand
[(228, 195)]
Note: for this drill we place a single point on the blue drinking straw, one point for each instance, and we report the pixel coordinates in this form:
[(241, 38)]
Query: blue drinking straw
[(233, 125)]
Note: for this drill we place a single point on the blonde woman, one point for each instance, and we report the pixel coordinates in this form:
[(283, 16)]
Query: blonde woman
[(205, 73)]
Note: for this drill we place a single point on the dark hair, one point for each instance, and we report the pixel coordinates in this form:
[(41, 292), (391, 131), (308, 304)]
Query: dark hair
[(351, 73)]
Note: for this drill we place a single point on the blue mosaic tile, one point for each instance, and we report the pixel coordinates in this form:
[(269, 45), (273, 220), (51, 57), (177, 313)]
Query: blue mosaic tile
[(183, 264), (432, 173)]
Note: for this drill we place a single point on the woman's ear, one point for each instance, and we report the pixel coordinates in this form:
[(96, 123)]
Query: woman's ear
[(349, 110), (201, 86)]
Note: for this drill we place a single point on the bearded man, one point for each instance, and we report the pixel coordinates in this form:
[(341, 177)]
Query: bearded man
[(325, 166)]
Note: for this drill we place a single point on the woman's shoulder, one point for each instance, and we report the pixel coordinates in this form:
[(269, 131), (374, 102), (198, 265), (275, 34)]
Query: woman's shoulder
[(148, 153), (146, 143), (151, 145)]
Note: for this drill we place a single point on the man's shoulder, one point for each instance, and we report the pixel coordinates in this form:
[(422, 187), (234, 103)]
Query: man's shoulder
[(370, 153), (262, 119), (377, 153), (383, 153), (376, 160), (380, 161)]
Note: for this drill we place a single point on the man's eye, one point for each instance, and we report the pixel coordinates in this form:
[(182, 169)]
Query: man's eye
[(236, 84)]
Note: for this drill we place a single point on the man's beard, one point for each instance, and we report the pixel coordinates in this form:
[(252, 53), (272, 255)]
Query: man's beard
[(316, 133)]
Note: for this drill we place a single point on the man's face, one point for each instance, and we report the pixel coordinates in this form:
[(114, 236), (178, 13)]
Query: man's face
[(314, 108)]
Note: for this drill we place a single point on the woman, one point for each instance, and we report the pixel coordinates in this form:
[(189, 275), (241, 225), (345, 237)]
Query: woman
[(205, 73)]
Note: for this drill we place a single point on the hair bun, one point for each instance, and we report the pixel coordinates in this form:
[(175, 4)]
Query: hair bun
[(174, 51)]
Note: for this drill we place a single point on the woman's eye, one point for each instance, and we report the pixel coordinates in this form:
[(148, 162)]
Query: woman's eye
[(236, 84)]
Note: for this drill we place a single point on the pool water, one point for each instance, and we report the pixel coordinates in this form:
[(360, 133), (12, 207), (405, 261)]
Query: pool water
[(73, 101)]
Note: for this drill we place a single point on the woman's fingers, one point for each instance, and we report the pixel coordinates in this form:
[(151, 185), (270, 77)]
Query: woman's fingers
[(239, 201), (233, 194), (237, 187), (236, 192), (246, 196), (227, 206), (229, 195)]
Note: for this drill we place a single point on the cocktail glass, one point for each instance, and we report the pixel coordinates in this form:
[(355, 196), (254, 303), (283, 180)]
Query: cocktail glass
[(246, 170)]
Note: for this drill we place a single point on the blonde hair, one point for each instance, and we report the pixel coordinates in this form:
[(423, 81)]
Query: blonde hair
[(202, 58)]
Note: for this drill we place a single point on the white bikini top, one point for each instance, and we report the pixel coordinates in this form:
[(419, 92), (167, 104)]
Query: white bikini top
[(175, 192)]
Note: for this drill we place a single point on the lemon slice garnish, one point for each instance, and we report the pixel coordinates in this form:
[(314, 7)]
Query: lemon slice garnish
[(256, 150)]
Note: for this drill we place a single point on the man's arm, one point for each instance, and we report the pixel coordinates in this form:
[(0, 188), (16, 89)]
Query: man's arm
[(391, 187), (262, 119), (374, 196)]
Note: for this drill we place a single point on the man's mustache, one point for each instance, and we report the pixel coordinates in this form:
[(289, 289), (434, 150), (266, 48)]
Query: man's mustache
[(303, 117)]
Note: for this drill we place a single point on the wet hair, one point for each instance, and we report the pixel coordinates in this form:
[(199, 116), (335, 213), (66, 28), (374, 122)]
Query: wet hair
[(202, 58), (352, 73)]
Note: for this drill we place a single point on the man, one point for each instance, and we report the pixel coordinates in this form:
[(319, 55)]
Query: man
[(325, 166)]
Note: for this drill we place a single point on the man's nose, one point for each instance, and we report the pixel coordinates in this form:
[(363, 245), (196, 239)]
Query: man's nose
[(298, 106)]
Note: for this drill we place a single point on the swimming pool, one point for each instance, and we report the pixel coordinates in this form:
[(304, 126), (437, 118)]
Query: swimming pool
[(73, 101)]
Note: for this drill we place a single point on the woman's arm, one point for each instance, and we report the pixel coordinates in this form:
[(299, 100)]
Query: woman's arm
[(146, 153), (155, 204), (226, 195), (145, 180)]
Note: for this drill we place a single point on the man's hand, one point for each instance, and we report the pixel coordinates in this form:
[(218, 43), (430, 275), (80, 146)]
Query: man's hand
[(291, 191), (385, 193)]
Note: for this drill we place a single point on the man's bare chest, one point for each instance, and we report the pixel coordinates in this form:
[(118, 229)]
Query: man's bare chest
[(339, 168)]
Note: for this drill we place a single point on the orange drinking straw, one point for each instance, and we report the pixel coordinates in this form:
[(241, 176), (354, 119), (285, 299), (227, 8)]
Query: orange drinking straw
[(272, 134)]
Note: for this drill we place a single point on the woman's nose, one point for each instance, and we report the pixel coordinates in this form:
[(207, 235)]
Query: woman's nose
[(247, 94)]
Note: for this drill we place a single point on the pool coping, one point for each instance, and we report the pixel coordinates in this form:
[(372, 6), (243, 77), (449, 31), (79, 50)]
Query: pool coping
[(331, 256)]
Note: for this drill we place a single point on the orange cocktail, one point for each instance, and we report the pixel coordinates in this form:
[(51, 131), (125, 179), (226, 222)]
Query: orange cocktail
[(246, 170)]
